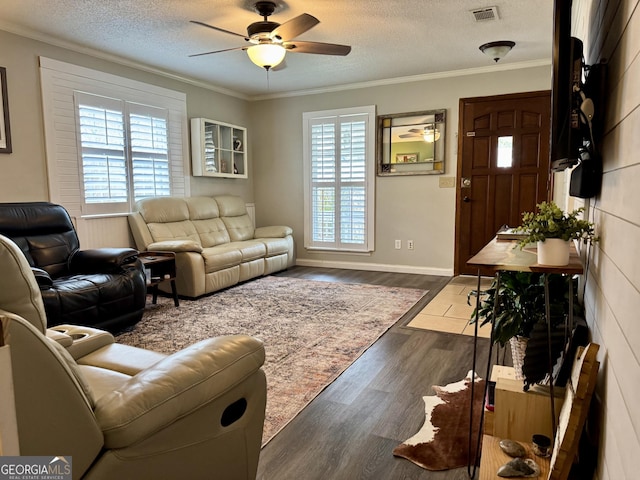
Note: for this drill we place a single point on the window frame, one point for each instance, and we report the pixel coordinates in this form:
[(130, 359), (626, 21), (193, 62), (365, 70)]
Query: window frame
[(338, 116), (59, 82)]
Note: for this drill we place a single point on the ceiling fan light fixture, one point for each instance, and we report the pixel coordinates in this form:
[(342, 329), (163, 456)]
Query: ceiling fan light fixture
[(497, 50), (431, 135), (266, 55)]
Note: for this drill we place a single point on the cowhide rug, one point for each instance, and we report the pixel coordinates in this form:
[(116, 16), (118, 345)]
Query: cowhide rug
[(443, 441)]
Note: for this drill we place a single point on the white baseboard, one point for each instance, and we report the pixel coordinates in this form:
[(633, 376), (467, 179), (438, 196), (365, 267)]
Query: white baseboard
[(377, 267)]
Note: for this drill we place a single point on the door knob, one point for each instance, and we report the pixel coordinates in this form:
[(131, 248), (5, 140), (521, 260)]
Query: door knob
[(466, 199)]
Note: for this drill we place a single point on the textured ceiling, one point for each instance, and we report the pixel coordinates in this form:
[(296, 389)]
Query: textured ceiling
[(389, 38)]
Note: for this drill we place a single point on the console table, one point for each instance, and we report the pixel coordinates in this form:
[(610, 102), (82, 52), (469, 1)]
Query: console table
[(505, 255)]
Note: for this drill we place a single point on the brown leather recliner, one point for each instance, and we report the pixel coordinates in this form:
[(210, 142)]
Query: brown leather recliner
[(102, 288), (124, 412)]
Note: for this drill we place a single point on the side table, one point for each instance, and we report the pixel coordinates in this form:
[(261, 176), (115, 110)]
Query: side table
[(160, 267)]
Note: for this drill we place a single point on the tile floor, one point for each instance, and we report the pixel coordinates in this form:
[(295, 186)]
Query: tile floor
[(449, 311)]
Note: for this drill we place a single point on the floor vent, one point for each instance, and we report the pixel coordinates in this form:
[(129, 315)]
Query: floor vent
[(486, 13)]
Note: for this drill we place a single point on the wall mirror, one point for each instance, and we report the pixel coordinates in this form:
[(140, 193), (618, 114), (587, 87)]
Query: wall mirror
[(411, 143)]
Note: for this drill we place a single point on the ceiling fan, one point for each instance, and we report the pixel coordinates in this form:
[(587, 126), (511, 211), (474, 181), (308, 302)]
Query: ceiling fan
[(429, 133), (269, 41)]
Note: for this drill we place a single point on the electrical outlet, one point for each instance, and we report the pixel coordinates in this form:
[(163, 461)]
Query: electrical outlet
[(398, 244), (409, 244)]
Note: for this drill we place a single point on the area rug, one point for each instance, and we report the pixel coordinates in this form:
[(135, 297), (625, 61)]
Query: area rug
[(443, 441), (312, 331)]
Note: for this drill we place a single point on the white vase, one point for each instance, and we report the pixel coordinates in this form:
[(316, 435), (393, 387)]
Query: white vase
[(553, 252)]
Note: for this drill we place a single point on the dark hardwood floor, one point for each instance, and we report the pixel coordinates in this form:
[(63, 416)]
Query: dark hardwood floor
[(349, 431)]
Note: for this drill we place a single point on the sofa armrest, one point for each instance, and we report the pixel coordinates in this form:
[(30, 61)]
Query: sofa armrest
[(42, 278), (276, 231), (175, 246), (61, 337), (101, 260), (84, 340), (175, 387)]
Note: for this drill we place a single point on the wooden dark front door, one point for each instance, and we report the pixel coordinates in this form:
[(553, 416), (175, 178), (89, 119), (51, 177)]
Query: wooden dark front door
[(503, 166)]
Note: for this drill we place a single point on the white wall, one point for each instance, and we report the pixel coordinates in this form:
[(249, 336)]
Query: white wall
[(407, 207)]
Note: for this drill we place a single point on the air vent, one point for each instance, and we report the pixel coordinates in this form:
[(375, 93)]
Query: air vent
[(486, 13)]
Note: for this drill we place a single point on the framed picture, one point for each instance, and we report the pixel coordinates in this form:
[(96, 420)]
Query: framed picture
[(5, 131), (406, 158)]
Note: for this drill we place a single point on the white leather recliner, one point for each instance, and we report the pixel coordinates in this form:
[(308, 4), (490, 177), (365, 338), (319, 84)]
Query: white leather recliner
[(124, 412)]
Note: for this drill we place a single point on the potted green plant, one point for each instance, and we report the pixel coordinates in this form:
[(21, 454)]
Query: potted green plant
[(520, 306), (552, 230)]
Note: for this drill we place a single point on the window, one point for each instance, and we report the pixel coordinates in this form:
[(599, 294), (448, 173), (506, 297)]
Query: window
[(122, 144), (339, 168), (110, 140), (505, 152)]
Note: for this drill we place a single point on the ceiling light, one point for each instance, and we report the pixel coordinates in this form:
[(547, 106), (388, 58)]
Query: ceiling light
[(497, 50), (431, 135), (266, 55)]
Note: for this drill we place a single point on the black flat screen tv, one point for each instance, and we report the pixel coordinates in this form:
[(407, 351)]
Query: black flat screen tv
[(566, 135)]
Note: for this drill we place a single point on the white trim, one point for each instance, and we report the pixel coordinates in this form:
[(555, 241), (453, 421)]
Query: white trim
[(408, 79), (376, 267)]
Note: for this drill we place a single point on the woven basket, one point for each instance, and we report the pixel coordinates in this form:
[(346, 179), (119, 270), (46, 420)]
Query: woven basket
[(518, 349)]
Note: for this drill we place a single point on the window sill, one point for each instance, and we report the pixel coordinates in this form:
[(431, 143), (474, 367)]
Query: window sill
[(337, 251)]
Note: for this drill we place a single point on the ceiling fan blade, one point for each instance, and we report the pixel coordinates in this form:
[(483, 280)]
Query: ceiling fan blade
[(219, 29), (317, 47), (408, 135), (294, 27), (417, 130), (218, 51)]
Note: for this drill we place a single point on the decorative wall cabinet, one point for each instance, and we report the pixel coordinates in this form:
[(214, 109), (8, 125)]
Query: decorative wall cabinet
[(218, 149)]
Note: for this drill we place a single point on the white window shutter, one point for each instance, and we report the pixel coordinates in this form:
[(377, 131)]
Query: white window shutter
[(339, 163)]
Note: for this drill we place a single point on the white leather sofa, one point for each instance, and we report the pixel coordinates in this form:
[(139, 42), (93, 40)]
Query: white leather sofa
[(214, 240), (124, 412)]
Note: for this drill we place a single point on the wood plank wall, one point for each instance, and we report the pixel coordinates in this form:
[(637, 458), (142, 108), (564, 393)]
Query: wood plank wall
[(610, 29)]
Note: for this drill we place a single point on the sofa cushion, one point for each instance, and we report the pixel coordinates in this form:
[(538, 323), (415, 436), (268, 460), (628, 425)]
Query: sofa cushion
[(182, 230), (163, 209), (239, 228), (211, 231), (202, 208), (233, 212), (250, 250), (275, 246), (231, 205), (220, 257)]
